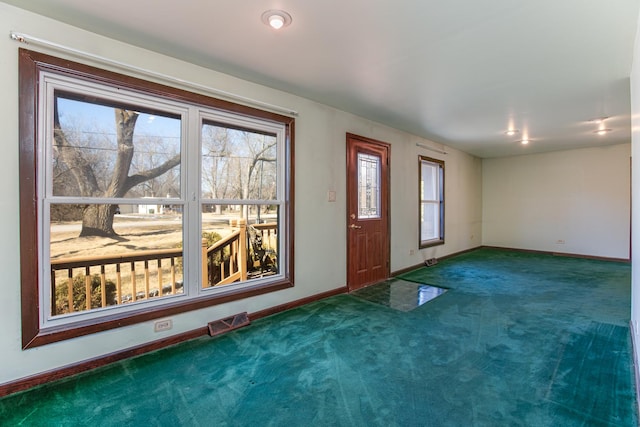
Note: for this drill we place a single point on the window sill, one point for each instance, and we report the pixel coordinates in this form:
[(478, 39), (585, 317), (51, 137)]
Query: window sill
[(37, 337), (431, 243)]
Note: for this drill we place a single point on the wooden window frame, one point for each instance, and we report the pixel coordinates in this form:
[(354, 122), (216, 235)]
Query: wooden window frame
[(31, 64)]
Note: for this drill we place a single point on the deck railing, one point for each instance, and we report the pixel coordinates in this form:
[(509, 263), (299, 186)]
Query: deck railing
[(144, 272), (234, 257), (94, 282), (226, 260)]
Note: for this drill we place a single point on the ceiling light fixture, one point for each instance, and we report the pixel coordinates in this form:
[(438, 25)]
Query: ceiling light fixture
[(524, 141), (511, 132), (602, 129), (276, 19)]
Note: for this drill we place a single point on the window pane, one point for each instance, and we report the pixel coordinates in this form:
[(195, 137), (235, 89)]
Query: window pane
[(140, 260), (98, 148), (240, 242), (429, 185), (430, 221), (368, 186), (238, 164)]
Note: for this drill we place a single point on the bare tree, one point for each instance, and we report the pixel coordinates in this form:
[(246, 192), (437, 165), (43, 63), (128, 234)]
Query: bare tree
[(97, 220), (259, 151), (215, 162), (234, 164)]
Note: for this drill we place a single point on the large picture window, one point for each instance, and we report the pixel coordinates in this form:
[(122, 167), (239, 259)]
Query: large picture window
[(431, 201), (140, 200)]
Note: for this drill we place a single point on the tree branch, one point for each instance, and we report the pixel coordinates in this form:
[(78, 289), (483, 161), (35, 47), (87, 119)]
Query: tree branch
[(141, 177)]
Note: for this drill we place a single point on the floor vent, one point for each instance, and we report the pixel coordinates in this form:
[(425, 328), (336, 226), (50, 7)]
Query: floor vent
[(430, 262), (221, 326)]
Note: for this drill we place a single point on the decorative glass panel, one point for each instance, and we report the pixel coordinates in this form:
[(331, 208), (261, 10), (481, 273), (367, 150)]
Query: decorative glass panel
[(368, 186)]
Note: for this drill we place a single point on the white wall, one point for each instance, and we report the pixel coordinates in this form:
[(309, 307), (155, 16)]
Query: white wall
[(320, 228), (580, 197), (635, 198)]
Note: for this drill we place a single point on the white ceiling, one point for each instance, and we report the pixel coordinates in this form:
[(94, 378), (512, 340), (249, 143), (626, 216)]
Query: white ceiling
[(458, 72)]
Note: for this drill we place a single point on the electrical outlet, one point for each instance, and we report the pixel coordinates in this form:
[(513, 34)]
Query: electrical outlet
[(412, 252), (162, 325), (560, 242)]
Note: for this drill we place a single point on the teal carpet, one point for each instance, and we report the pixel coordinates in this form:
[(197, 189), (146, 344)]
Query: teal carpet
[(517, 340)]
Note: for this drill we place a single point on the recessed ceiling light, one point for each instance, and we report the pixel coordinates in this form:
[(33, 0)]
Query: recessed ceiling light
[(524, 141), (598, 120), (511, 132), (602, 131), (276, 19)]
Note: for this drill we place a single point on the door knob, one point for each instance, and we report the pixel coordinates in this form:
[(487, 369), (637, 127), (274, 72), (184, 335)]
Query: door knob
[(355, 226)]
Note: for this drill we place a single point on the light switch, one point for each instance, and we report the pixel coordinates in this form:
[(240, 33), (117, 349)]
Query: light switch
[(331, 195)]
